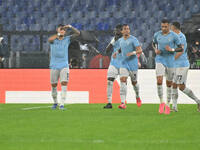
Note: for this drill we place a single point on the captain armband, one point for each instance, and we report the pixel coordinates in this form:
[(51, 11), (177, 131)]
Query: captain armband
[(178, 49)]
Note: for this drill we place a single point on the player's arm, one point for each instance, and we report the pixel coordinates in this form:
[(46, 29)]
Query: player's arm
[(155, 44), (155, 47), (52, 38), (76, 31), (137, 51), (178, 54), (178, 49), (116, 53), (110, 46)]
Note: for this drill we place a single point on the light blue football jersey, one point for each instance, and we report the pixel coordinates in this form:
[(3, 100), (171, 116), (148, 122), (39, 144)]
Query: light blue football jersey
[(182, 61), (59, 53), (116, 61), (172, 40), (129, 45)]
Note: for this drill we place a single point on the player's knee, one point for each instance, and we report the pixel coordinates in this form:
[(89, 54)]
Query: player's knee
[(64, 83), (159, 80), (159, 83), (111, 79), (169, 83), (134, 83), (174, 85), (123, 79), (182, 87), (54, 85)]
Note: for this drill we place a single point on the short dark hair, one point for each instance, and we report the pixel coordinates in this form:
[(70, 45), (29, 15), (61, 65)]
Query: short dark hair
[(177, 25), (124, 25), (165, 21), (119, 26), (60, 25)]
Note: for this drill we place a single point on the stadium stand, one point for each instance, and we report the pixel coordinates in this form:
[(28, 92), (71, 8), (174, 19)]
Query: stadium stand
[(43, 15)]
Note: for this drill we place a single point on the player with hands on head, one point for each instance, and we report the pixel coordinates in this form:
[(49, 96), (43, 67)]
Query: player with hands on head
[(59, 67)]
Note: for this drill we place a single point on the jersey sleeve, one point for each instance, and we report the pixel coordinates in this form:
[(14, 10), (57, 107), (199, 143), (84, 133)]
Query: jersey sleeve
[(177, 40), (68, 38), (155, 38), (183, 41), (136, 43)]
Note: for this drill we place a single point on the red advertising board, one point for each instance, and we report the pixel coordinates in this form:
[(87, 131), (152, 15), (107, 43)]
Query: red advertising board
[(91, 80)]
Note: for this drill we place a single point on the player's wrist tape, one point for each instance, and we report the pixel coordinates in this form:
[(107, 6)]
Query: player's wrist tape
[(134, 52), (58, 34), (117, 52), (112, 41)]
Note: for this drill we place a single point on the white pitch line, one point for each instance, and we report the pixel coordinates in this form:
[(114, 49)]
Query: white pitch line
[(30, 108)]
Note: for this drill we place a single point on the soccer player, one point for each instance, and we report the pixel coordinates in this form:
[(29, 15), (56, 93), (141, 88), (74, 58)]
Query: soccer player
[(165, 61), (113, 69), (130, 47), (59, 44), (181, 68)]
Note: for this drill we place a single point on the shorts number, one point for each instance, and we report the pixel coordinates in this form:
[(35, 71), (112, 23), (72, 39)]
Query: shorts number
[(179, 77), (134, 77)]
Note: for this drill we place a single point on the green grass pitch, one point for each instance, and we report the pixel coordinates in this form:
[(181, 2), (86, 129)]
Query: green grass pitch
[(90, 127)]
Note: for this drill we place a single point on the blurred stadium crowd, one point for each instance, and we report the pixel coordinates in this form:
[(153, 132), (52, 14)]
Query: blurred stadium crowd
[(26, 25)]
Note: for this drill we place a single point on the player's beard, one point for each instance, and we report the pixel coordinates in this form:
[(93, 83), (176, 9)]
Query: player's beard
[(165, 31), (126, 35), (61, 37)]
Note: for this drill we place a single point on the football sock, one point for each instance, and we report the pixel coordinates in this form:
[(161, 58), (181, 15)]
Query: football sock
[(54, 94), (109, 91), (189, 93), (136, 88), (160, 93), (169, 95), (174, 97), (123, 91), (63, 94)]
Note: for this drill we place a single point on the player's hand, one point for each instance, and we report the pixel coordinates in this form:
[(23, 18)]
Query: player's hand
[(67, 26), (1, 38), (157, 51), (131, 53), (114, 55), (168, 48)]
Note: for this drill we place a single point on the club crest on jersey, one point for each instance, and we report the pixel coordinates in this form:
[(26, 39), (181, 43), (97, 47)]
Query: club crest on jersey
[(127, 42), (169, 39)]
